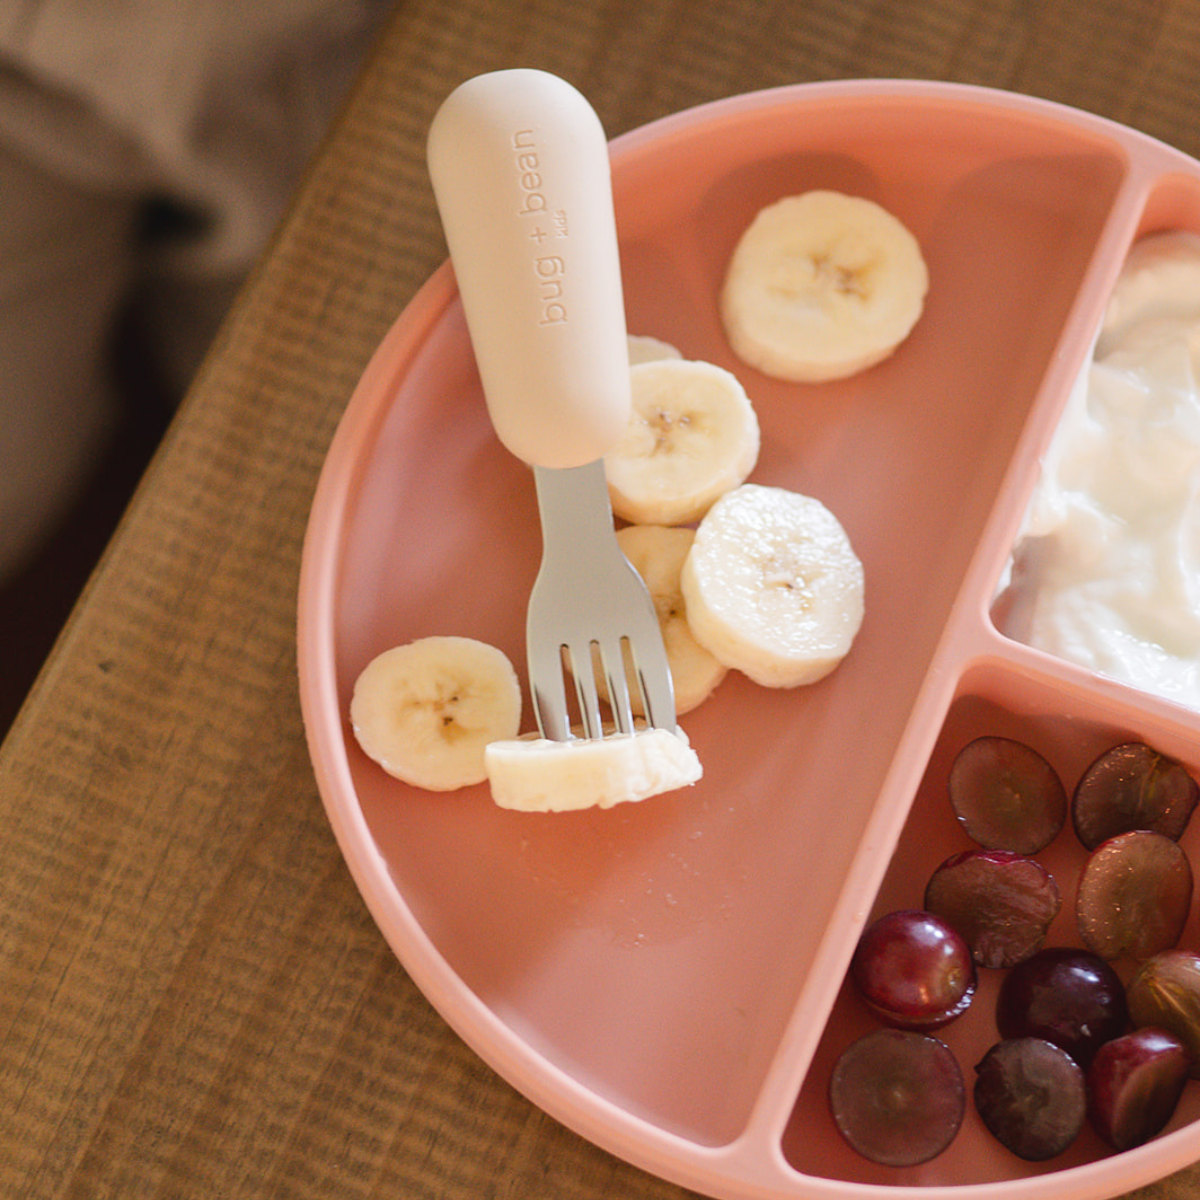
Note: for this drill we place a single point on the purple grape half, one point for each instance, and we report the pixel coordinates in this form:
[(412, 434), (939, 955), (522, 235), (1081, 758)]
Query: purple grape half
[(1165, 993), (1070, 997), (913, 970), (1135, 891), (1006, 795), (1002, 903), (1130, 787), (897, 1097), (1134, 1084), (1032, 1097)]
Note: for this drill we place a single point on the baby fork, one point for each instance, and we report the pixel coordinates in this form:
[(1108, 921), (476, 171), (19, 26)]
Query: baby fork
[(520, 171)]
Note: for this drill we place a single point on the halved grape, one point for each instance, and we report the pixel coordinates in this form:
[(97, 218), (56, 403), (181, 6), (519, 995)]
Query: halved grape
[(1006, 795), (897, 1097), (1130, 787), (913, 970), (1134, 1084), (1134, 894), (1032, 1097), (1165, 992), (1002, 903), (1070, 997)]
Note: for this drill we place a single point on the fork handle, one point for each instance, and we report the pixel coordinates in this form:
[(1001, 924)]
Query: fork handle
[(520, 171), (582, 493)]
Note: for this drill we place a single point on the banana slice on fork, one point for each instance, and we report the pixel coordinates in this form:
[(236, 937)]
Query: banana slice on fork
[(536, 774)]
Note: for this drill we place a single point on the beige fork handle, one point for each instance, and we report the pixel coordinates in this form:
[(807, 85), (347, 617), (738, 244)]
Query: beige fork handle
[(520, 171)]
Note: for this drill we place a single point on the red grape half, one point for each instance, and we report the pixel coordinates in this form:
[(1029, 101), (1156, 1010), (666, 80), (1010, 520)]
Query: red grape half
[(1031, 1094), (1006, 795), (1165, 992), (1134, 1084), (1070, 997), (1002, 903), (1135, 891), (1129, 787), (913, 970), (897, 1097)]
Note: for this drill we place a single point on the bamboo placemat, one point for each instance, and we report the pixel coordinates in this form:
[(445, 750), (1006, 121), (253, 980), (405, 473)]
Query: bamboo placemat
[(194, 1001)]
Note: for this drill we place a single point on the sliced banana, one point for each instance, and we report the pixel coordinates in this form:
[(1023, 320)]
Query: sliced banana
[(535, 774), (692, 437), (425, 711), (657, 553), (644, 348), (772, 586), (822, 285)]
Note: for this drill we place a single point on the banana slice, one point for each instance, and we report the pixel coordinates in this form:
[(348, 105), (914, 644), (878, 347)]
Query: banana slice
[(693, 435), (822, 285), (772, 586), (643, 348), (535, 774), (425, 711), (657, 553)]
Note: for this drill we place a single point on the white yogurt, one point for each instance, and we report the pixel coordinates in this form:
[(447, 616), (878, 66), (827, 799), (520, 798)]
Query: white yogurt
[(1107, 571)]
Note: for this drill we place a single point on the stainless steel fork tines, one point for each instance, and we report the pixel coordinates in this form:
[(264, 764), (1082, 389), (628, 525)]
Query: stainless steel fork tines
[(589, 611)]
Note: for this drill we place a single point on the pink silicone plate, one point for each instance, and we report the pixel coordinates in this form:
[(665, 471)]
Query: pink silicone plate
[(666, 978)]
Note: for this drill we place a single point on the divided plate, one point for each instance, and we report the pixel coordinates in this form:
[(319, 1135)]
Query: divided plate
[(667, 978)]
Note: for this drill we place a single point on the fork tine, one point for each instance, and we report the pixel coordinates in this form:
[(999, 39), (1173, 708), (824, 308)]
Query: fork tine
[(584, 672), (549, 689), (612, 663), (654, 681)]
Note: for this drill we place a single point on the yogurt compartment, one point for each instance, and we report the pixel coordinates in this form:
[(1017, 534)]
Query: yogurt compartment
[(1107, 570), (668, 980)]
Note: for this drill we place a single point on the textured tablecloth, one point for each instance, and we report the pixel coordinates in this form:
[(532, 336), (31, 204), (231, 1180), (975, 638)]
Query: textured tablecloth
[(194, 1001)]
